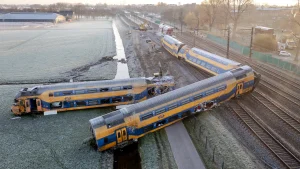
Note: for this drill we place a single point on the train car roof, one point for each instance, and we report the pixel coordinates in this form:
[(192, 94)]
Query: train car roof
[(103, 83), (165, 98), (215, 57), (172, 39)]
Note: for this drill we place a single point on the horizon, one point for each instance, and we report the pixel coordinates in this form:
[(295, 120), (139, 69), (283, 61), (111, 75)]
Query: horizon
[(137, 2)]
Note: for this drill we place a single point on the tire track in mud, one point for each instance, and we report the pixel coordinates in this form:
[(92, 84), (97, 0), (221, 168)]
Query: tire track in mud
[(28, 40), (73, 74)]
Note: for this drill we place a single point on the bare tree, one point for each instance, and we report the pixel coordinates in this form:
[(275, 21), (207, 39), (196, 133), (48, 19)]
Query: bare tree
[(211, 8), (235, 9), (181, 18)]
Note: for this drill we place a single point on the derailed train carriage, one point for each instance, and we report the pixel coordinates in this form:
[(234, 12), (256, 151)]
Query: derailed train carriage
[(121, 127), (92, 94), (199, 58)]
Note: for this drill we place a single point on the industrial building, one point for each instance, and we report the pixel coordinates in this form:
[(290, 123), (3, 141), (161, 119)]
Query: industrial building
[(32, 17)]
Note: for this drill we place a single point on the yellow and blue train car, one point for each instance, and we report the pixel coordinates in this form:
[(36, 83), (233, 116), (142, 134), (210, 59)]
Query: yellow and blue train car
[(209, 62), (172, 45), (199, 58), (92, 94), (121, 127)]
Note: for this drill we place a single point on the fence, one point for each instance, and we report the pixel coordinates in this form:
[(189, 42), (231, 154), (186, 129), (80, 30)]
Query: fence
[(263, 57)]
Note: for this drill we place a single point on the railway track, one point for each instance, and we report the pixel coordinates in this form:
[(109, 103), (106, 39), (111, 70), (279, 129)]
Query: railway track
[(270, 72), (291, 121), (279, 112), (278, 150), (288, 100), (291, 83)]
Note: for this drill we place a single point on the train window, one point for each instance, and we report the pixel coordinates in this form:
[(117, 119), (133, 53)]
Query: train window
[(173, 118), (127, 87), (116, 99), (81, 103), (65, 93), (50, 94), (55, 105), (127, 98), (119, 135), (159, 111), (185, 101), (56, 94), (105, 101), (93, 102), (105, 140), (92, 90), (79, 91), (221, 88), (146, 116), (161, 123), (173, 106), (104, 89), (240, 77), (210, 92), (148, 128), (115, 88), (27, 104), (186, 113), (39, 103), (71, 104), (197, 97), (115, 122), (236, 70)]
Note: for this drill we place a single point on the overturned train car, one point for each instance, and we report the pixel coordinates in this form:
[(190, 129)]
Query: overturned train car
[(92, 94), (121, 127)]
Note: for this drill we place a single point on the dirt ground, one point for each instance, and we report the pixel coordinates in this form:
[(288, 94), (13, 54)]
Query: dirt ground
[(154, 148)]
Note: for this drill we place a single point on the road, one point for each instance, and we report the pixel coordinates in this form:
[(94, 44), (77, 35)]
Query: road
[(184, 151)]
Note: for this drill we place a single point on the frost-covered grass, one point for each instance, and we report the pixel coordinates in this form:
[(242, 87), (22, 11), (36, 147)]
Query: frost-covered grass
[(28, 55), (155, 151), (37, 141), (219, 139)]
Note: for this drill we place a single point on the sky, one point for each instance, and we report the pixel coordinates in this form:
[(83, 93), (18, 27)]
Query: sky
[(260, 2)]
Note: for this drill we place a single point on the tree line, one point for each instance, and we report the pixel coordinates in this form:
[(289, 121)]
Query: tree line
[(79, 9)]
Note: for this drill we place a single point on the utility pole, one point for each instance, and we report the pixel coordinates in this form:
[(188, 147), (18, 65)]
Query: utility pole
[(195, 35), (297, 52), (228, 41), (251, 42)]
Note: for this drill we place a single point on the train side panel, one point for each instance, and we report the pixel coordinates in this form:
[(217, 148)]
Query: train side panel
[(166, 114)]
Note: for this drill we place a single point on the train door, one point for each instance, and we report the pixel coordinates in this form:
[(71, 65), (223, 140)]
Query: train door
[(121, 135), (38, 104), (27, 106), (239, 89), (124, 134)]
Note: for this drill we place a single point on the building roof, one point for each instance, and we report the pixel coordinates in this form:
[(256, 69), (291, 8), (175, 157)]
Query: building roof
[(30, 15)]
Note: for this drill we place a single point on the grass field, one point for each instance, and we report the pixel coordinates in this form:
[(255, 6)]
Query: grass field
[(53, 54), (47, 141), (46, 54)]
